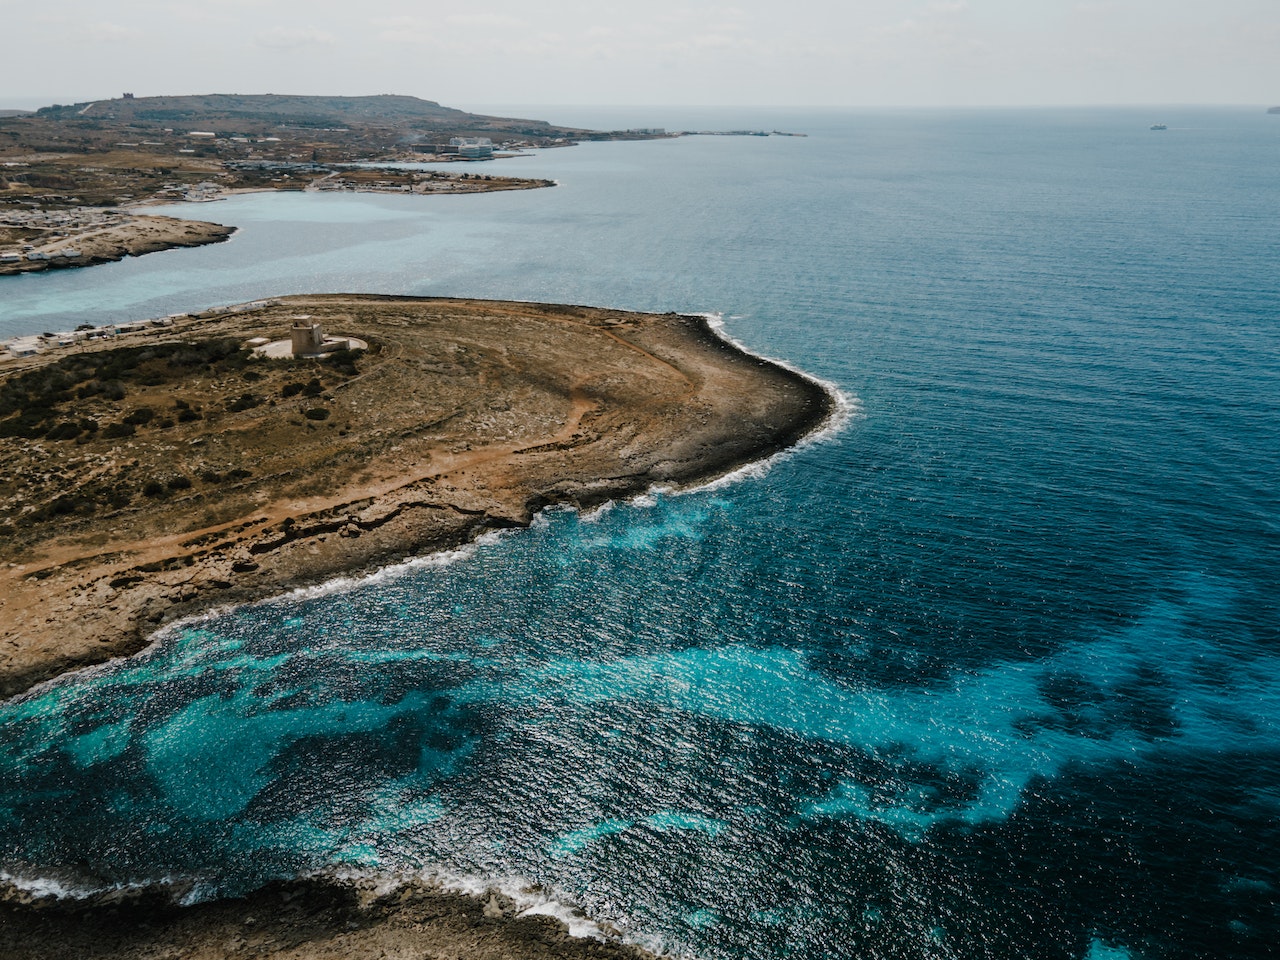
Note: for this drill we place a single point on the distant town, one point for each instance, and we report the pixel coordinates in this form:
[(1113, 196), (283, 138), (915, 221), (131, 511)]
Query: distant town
[(75, 178)]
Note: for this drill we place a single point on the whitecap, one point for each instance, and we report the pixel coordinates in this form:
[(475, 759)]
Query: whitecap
[(529, 898)]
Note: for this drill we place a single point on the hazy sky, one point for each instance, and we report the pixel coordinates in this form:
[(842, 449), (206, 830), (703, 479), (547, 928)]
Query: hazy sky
[(784, 52)]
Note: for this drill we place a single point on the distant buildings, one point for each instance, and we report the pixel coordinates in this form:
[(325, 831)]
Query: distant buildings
[(30, 346), (468, 148)]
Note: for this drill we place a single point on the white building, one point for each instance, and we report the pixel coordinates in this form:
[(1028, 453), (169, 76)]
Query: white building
[(473, 147)]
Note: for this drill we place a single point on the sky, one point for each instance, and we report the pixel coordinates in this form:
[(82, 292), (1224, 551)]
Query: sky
[(854, 53)]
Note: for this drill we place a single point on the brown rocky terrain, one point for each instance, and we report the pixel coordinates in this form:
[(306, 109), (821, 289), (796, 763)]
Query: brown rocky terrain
[(153, 477)]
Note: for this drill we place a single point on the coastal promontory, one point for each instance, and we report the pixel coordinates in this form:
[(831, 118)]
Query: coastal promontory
[(151, 472)]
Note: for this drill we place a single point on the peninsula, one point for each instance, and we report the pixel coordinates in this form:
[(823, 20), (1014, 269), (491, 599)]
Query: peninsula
[(150, 477)]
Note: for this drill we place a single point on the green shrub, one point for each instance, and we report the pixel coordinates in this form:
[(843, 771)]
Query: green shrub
[(246, 401), (140, 416), (343, 361), (316, 413), (118, 431), (66, 430), (119, 496), (28, 425)]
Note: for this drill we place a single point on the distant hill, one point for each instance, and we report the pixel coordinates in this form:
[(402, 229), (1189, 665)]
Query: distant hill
[(14, 113), (1274, 110), (256, 113), (270, 106), (231, 133)]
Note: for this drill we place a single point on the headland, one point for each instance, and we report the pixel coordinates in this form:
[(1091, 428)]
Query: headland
[(152, 477)]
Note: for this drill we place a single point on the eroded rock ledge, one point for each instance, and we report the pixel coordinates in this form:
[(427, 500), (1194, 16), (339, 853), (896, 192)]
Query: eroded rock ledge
[(308, 919)]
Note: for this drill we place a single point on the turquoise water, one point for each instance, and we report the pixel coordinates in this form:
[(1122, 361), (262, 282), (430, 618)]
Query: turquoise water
[(990, 671)]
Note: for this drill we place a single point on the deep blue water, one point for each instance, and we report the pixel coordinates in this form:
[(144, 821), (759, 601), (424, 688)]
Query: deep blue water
[(993, 671)]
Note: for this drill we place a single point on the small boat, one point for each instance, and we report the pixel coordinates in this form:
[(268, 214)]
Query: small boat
[(1159, 126)]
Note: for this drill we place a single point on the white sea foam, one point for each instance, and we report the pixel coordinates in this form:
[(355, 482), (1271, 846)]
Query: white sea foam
[(342, 584), (387, 574), (40, 887), (530, 899), (847, 409), (598, 512), (44, 887)]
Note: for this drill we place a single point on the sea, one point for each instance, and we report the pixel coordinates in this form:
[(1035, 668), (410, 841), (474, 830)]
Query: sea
[(989, 668)]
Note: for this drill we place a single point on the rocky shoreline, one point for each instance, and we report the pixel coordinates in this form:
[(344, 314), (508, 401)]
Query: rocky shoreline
[(462, 417), (133, 237), (320, 918), (466, 416)]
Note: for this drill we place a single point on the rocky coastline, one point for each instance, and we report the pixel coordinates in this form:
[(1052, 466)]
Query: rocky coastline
[(258, 476), (131, 236), (226, 482), (316, 918)]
